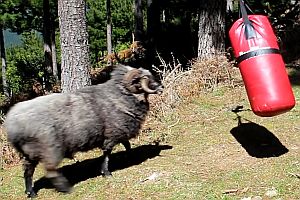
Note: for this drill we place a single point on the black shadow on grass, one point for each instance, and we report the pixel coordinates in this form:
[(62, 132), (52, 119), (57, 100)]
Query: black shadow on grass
[(294, 75), (257, 140), (90, 168)]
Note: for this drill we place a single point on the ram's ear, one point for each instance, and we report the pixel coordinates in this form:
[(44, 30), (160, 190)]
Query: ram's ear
[(131, 80)]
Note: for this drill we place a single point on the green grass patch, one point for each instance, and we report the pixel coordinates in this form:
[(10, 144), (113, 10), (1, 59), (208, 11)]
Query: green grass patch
[(204, 160)]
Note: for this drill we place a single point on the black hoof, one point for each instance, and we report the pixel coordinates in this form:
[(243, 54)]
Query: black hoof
[(106, 174), (31, 194), (61, 184), (64, 188)]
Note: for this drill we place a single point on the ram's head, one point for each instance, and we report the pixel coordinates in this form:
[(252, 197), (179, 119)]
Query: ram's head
[(142, 81)]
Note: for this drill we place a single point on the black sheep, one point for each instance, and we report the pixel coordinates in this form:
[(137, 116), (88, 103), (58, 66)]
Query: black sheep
[(50, 128)]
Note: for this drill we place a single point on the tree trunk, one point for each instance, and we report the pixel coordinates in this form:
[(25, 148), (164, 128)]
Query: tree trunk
[(229, 5), (47, 44), (153, 20), (108, 29), (153, 28), (139, 23), (3, 61), (211, 34), (74, 45), (54, 57)]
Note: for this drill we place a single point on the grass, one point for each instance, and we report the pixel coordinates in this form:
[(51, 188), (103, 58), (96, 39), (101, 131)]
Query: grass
[(198, 156)]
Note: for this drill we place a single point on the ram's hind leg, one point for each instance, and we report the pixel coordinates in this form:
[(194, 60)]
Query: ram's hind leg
[(60, 183), (51, 161), (29, 167), (127, 145)]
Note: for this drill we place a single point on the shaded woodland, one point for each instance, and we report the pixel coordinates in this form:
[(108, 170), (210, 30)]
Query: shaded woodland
[(138, 33)]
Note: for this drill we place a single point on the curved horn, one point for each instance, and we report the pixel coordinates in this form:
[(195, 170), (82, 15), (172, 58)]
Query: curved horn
[(129, 77), (145, 87)]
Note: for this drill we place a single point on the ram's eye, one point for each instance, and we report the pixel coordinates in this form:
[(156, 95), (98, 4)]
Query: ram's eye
[(135, 81)]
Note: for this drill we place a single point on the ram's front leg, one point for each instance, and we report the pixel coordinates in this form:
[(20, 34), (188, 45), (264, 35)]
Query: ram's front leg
[(107, 148), (104, 165)]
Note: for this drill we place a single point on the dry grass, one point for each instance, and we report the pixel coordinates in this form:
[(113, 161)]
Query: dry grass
[(8, 156), (181, 84)]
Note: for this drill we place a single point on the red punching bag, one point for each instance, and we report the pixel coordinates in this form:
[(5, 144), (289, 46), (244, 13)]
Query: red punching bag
[(261, 65)]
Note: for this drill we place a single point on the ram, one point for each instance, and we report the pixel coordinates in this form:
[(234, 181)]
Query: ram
[(50, 128)]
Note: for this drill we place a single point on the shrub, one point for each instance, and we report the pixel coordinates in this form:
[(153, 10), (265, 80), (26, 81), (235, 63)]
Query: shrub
[(25, 63), (203, 76), (8, 156)]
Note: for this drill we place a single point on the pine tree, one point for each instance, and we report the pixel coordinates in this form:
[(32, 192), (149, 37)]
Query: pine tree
[(211, 34), (74, 45)]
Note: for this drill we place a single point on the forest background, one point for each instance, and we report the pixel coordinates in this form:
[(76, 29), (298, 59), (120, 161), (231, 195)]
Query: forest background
[(170, 29)]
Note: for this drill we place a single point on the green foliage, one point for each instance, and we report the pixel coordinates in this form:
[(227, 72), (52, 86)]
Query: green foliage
[(282, 13), (25, 63), (122, 25), (21, 16), (14, 79), (122, 46), (284, 16), (122, 15), (96, 17), (8, 14)]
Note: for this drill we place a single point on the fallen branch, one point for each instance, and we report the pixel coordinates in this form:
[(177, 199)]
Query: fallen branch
[(294, 175), (230, 191), (234, 191)]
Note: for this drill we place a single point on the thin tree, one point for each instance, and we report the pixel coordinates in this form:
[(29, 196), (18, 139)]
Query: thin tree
[(3, 13), (108, 29), (229, 5), (3, 62), (52, 26), (153, 20), (74, 45), (53, 51), (139, 22), (211, 34), (153, 24), (47, 43)]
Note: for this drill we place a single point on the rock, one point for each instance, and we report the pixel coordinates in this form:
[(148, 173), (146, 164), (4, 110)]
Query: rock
[(271, 193)]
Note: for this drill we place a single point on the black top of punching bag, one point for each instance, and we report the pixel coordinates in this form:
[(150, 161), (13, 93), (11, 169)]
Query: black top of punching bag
[(249, 29)]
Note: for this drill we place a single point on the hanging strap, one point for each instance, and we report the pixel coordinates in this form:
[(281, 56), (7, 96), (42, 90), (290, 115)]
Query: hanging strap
[(249, 29)]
